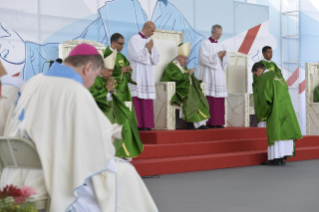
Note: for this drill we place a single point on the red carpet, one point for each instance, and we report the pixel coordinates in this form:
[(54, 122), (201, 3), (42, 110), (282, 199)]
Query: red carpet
[(167, 152)]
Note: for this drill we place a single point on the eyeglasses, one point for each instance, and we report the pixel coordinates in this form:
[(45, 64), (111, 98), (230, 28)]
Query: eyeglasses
[(120, 43)]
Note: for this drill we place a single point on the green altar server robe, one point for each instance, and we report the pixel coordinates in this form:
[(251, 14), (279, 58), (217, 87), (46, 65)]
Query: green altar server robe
[(122, 79), (271, 66), (188, 93), (316, 95), (275, 106), (117, 112)]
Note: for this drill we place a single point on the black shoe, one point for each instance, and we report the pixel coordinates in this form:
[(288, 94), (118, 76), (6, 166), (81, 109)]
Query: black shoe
[(142, 129), (190, 126), (203, 127), (211, 126), (148, 129), (219, 126), (286, 157), (268, 163)]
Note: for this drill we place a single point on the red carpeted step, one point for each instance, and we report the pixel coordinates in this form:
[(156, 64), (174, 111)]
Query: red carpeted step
[(158, 166), (201, 148), (169, 165), (210, 147), (182, 136)]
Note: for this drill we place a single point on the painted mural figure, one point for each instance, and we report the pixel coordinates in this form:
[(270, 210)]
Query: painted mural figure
[(271, 66), (124, 16), (282, 124), (188, 95), (128, 17), (213, 62)]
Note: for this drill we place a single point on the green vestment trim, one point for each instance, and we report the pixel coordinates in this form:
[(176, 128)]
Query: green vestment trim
[(122, 79), (271, 66), (189, 95), (316, 95), (117, 112), (274, 105)]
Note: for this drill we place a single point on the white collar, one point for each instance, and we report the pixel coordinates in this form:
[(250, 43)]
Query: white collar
[(111, 49), (267, 60)]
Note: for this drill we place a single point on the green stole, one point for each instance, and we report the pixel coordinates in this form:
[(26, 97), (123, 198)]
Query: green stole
[(117, 112), (122, 79), (188, 93), (275, 106), (271, 66)]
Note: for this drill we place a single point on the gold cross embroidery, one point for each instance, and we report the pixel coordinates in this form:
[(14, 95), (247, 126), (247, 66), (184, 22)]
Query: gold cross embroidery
[(279, 80)]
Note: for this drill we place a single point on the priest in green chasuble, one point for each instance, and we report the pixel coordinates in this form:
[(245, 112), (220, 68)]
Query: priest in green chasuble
[(271, 66), (188, 95), (274, 105), (122, 71), (113, 106)]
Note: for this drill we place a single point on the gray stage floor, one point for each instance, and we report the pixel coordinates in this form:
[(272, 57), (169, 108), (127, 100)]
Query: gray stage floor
[(292, 188)]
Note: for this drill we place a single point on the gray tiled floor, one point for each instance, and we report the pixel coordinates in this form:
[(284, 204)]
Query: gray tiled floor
[(292, 188)]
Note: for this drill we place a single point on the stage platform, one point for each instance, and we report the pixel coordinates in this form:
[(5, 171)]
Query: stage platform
[(167, 152)]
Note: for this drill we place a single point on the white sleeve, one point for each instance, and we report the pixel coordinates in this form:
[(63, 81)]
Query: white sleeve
[(137, 53), (205, 59), (225, 61), (155, 56)]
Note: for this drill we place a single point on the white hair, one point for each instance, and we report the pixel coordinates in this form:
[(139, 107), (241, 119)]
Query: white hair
[(216, 26)]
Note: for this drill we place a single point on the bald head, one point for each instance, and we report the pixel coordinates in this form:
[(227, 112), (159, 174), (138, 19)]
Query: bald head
[(149, 29)]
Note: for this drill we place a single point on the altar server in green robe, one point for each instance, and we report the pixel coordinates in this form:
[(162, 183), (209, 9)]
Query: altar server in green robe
[(116, 110), (188, 94), (122, 71), (274, 105), (271, 66)]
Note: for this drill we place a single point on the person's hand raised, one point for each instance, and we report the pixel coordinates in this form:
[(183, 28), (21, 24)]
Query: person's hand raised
[(126, 69), (191, 72), (150, 45), (110, 84)]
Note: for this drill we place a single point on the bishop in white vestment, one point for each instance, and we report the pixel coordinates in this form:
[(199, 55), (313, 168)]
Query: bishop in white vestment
[(74, 141), (9, 88), (143, 55), (212, 64)]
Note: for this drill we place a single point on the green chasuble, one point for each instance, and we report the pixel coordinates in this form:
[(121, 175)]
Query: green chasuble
[(271, 66), (117, 112), (122, 79), (188, 93), (316, 95), (275, 106)]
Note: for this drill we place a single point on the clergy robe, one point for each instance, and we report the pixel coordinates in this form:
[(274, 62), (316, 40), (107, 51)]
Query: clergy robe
[(117, 112), (211, 70), (271, 66), (73, 139), (144, 92), (282, 124), (316, 95), (122, 79), (10, 87), (188, 93)]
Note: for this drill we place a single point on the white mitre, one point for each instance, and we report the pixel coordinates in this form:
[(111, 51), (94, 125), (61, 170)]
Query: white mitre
[(184, 49), (110, 60)]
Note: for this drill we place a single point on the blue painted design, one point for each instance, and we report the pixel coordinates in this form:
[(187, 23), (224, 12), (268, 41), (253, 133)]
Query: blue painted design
[(21, 116), (59, 70)]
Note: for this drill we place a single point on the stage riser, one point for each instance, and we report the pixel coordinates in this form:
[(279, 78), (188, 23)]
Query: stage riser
[(184, 136), (168, 152), (214, 161), (210, 147)]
